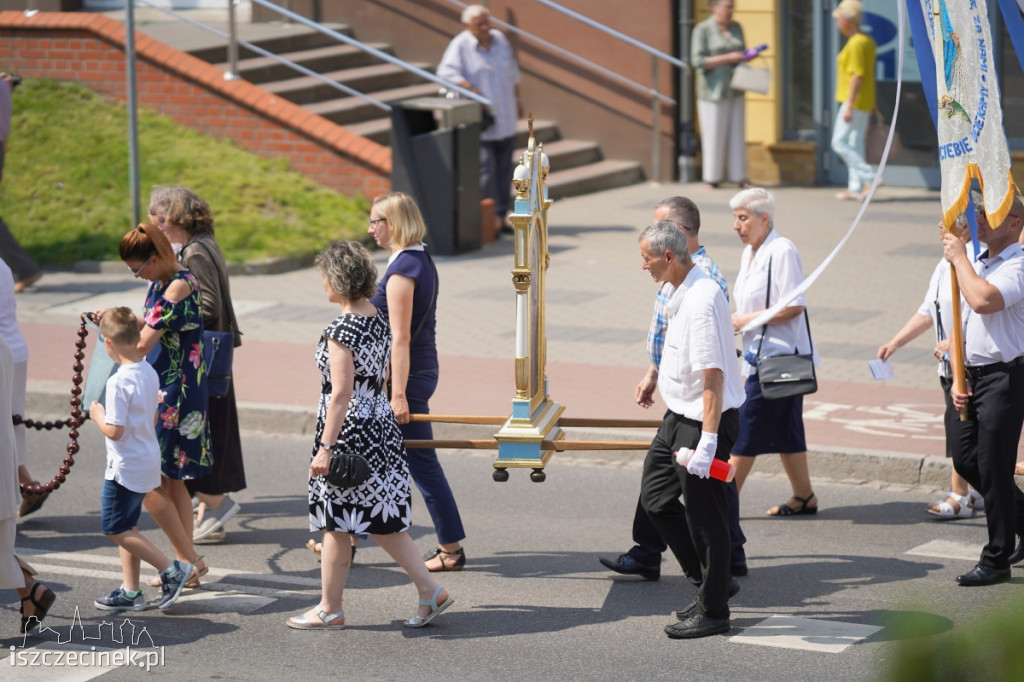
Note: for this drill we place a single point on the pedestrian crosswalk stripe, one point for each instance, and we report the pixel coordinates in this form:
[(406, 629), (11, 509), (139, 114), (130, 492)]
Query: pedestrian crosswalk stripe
[(218, 587), (944, 549), (788, 632)]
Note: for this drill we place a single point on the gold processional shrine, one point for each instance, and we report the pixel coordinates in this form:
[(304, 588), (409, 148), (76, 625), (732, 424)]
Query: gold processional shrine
[(533, 432)]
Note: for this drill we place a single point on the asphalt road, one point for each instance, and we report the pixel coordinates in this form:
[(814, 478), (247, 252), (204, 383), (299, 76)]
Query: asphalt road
[(533, 603)]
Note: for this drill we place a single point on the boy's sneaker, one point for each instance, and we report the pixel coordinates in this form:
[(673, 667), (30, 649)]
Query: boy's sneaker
[(173, 584), (214, 538), (214, 519), (119, 601)]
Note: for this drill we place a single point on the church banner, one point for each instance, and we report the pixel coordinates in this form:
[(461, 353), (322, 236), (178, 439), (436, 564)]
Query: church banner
[(972, 141)]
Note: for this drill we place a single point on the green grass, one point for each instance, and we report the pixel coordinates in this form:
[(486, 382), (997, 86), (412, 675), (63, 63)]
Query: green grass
[(65, 191)]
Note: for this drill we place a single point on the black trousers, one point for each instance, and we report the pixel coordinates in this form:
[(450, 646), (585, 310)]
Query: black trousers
[(21, 264), (649, 545), (984, 452), (697, 533), (496, 172)]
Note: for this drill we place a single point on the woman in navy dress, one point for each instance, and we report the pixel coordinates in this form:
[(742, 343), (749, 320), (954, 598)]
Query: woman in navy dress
[(407, 296)]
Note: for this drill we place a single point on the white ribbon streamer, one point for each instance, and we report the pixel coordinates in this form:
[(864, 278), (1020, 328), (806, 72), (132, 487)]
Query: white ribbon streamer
[(785, 300)]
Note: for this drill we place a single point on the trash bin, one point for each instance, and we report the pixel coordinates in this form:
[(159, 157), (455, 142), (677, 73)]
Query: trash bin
[(435, 158)]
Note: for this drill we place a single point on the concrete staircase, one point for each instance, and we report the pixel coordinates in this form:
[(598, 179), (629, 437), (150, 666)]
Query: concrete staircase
[(577, 166)]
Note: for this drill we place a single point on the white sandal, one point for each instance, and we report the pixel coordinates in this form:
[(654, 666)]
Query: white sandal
[(944, 509), (977, 501), (418, 621)]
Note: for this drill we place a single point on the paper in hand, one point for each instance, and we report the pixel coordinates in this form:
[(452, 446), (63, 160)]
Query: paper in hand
[(881, 369)]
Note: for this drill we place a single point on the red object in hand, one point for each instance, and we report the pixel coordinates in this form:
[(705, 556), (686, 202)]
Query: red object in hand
[(722, 471)]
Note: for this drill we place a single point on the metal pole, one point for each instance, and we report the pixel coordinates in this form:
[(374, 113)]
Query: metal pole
[(687, 132), (232, 72), (133, 120), (655, 123)]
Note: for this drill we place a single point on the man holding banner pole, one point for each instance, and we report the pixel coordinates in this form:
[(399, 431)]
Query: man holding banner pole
[(985, 440)]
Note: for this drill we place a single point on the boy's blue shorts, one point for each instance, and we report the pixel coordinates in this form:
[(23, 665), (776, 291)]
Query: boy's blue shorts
[(121, 508)]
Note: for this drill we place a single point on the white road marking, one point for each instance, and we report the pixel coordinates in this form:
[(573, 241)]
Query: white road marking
[(944, 549), (788, 632)]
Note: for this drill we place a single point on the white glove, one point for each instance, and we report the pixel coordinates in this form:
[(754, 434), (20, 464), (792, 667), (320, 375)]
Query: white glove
[(700, 462)]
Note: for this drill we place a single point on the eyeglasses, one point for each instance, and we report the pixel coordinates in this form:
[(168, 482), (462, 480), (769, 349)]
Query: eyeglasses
[(141, 267), (378, 220)]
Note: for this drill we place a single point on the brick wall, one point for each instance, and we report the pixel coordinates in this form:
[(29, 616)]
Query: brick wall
[(89, 48)]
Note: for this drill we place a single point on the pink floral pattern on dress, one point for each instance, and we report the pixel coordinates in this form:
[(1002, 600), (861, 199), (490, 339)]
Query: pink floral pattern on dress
[(182, 430)]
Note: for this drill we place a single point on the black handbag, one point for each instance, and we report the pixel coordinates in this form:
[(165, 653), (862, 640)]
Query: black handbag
[(785, 376), (347, 470)]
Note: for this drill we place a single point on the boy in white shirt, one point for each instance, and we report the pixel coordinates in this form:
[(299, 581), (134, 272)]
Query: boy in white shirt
[(133, 463)]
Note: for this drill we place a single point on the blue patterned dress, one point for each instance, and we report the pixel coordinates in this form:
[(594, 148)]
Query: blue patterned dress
[(381, 505), (182, 429)]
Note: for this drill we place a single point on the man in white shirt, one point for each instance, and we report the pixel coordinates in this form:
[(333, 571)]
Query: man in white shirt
[(644, 557), (480, 59), (985, 444), (698, 379)]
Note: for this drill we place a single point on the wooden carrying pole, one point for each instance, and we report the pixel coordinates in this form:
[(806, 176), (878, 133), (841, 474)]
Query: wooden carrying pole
[(557, 445), (956, 338)]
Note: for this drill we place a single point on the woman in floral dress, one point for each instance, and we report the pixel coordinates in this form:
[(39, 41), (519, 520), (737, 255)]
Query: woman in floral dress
[(354, 416), (173, 322)]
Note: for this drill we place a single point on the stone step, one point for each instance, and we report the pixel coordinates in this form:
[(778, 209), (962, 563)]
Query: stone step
[(543, 131), (319, 59), (376, 129), (593, 177), (291, 39), (347, 111), (563, 154), (368, 79)]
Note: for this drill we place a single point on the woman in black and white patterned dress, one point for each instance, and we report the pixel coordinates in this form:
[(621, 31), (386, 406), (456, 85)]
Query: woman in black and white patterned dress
[(355, 416)]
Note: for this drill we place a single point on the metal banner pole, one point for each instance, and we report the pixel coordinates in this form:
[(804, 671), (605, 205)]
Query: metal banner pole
[(133, 120)]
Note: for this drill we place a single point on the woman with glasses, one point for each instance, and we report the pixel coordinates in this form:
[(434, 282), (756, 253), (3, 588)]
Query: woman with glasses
[(173, 321), (407, 295)]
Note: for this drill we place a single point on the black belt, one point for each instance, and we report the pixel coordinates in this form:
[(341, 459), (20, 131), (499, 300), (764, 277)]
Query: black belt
[(982, 370)]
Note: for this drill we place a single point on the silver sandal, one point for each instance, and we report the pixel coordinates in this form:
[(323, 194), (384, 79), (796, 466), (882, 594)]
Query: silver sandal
[(326, 621), (418, 621)]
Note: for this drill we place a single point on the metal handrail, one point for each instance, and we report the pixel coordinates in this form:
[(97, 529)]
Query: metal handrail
[(469, 94), (615, 34), (232, 73), (573, 56), (656, 97)]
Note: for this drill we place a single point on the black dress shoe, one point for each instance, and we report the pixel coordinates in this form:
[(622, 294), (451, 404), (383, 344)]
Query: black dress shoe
[(687, 611), (697, 625), (1018, 554), (983, 575), (739, 569), (627, 565)]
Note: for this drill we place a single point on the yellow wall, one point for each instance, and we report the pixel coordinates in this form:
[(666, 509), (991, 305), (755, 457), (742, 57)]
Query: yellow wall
[(758, 19)]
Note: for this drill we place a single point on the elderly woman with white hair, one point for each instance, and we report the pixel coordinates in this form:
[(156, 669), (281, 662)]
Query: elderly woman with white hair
[(770, 268)]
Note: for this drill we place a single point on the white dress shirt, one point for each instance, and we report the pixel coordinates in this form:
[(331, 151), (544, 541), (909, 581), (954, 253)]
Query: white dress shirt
[(998, 337), (699, 337), (749, 294), (493, 72)]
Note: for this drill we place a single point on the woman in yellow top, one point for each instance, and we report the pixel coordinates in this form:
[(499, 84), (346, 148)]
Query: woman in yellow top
[(855, 93)]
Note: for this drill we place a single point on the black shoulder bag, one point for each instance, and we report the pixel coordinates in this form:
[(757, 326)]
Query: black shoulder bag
[(784, 376)]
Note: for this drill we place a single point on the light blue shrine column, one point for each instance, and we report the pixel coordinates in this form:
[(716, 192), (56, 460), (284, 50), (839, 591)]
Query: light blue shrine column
[(526, 438)]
